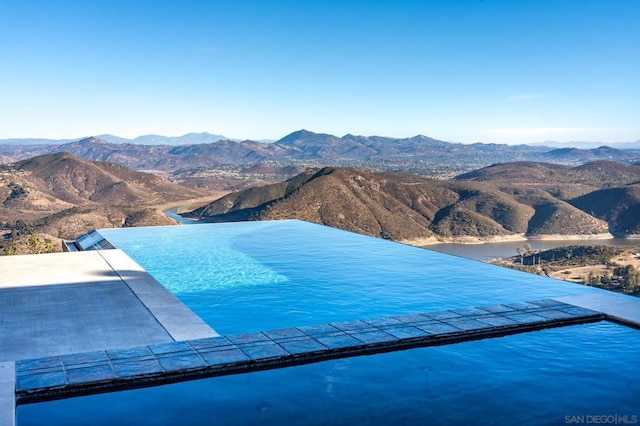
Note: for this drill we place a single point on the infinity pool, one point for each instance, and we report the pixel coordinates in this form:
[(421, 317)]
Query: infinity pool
[(255, 276)]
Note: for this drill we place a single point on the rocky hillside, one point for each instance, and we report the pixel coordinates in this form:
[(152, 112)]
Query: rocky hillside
[(355, 200), (596, 174), (606, 190), (620, 207), (69, 224), (80, 181), (53, 182), (414, 209), (62, 196)]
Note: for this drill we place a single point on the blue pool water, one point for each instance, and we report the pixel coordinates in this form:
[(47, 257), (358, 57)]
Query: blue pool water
[(255, 276), (537, 378)]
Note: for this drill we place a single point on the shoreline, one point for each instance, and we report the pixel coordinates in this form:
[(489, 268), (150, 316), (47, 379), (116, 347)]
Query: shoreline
[(470, 240), (465, 240), (553, 237)]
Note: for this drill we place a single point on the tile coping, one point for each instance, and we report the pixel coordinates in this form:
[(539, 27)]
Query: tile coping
[(87, 373)]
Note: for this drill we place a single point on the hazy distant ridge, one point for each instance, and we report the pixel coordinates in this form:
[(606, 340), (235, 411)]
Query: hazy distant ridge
[(409, 154), (204, 137), (189, 138)]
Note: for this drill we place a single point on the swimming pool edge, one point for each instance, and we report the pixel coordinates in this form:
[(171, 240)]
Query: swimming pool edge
[(106, 371), (180, 322)]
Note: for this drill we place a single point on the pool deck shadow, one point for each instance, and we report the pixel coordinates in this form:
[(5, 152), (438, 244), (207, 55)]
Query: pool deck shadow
[(60, 303), (101, 371)]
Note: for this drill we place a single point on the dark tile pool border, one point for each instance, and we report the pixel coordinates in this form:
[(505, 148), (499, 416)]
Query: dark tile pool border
[(106, 371)]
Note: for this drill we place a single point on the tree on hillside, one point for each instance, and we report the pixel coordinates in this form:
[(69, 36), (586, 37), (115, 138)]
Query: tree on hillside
[(524, 251), (38, 245), (631, 278), (11, 249)]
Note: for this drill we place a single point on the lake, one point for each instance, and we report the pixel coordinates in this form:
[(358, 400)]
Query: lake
[(489, 251)]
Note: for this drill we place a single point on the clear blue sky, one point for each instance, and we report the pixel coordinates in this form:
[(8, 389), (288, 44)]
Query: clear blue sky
[(492, 71)]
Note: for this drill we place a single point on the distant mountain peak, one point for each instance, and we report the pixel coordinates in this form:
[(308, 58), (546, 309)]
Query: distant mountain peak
[(305, 135), (299, 134), (93, 140), (424, 138), (605, 148), (303, 132)]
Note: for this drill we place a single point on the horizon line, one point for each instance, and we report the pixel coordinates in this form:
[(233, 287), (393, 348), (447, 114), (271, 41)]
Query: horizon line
[(269, 140)]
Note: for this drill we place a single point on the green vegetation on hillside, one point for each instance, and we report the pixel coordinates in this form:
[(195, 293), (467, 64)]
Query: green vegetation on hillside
[(608, 267), (17, 242)]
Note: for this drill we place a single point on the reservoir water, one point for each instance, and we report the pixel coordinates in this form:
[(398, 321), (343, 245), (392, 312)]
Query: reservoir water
[(181, 220), (487, 251)]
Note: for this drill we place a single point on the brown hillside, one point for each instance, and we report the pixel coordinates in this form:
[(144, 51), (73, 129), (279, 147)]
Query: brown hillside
[(606, 173), (78, 181), (518, 171), (62, 196), (485, 211), (71, 223), (561, 191), (618, 206), (21, 198), (368, 202), (593, 198), (597, 174), (404, 207), (353, 200), (554, 216)]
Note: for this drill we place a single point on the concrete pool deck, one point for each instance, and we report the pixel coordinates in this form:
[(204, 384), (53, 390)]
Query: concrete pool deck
[(63, 303), (622, 309), (54, 304)]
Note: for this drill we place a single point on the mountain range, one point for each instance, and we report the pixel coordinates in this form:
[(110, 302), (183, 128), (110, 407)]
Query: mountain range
[(189, 138), (419, 154), (590, 144), (502, 201), (204, 137)]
